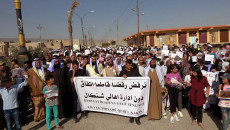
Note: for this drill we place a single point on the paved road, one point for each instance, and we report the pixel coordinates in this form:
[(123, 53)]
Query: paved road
[(101, 121)]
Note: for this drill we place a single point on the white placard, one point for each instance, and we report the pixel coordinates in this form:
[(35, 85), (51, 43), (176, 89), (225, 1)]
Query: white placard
[(115, 95), (194, 58), (174, 81), (180, 54), (192, 39), (166, 52), (209, 57), (211, 76), (154, 51), (172, 55), (165, 47), (130, 52), (18, 73), (51, 93), (87, 52)]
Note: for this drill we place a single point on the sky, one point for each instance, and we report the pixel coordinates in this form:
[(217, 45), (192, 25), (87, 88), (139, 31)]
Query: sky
[(102, 24)]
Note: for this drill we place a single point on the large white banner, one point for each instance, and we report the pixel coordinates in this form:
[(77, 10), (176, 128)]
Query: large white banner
[(115, 95)]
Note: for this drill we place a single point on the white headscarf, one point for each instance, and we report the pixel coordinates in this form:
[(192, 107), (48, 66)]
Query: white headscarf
[(42, 68), (119, 66), (158, 70), (224, 64), (41, 64)]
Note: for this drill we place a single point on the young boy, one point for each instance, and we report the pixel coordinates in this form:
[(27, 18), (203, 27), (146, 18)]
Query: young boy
[(9, 95), (51, 102)]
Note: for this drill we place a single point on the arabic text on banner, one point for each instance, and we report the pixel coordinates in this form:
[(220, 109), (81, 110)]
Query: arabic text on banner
[(115, 95)]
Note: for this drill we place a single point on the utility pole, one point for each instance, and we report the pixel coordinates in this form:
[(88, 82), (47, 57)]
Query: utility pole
[(147, 26), (110, 33), (138, 29), (40, 33), (117, 32), (89, 38), (82, 26)]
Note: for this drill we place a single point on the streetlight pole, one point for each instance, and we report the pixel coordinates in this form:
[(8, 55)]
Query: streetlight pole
[(89, 42), (138, 27), (82, 25)]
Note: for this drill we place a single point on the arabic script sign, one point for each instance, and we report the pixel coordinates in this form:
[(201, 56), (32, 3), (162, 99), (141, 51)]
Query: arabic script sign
[(115, 95)]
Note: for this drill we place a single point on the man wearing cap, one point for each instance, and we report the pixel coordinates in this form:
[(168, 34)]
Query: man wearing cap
[(36, 83)]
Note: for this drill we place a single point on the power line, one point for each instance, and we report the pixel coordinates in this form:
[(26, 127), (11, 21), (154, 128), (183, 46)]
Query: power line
[(146, 4), (126, 8), (121, 15)]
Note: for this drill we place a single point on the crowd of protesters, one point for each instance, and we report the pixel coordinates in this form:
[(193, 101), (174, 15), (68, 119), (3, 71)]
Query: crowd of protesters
[(24, 84)]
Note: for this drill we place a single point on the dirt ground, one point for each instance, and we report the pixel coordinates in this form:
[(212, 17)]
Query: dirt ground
[(102, 121)]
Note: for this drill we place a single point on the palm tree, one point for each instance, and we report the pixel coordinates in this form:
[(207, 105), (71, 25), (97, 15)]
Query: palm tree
[(70, 14)]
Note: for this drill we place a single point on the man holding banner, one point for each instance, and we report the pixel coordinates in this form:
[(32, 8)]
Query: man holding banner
[(124, 95), (130, 72), (76, 72)]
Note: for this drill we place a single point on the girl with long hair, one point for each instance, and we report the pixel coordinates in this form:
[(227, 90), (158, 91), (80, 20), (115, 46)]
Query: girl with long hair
[(173, 90), (197, 95)]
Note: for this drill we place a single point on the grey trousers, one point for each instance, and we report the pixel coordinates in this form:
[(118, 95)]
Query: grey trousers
[(180, 100)]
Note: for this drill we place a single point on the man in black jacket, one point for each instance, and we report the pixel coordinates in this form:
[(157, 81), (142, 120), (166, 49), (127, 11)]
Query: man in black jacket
[(129, 71)]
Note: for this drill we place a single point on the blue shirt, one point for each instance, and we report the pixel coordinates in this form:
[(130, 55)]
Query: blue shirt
[(9, 96)]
